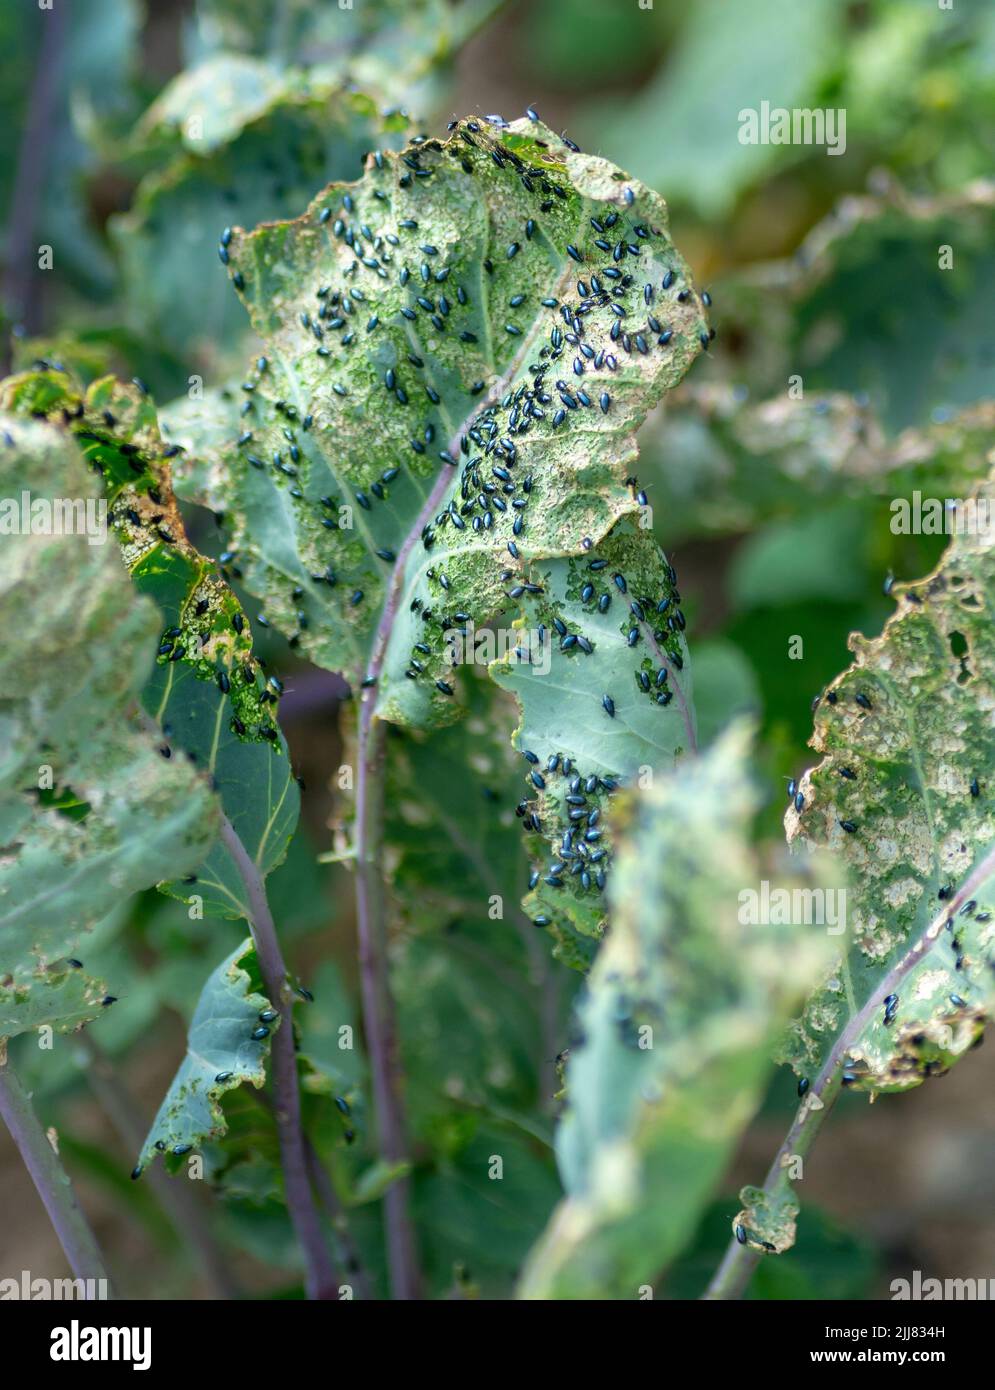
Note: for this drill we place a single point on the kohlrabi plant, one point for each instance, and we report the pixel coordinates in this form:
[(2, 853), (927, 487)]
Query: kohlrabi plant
[(358, 752)]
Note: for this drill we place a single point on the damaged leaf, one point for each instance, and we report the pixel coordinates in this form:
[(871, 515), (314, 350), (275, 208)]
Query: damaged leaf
[(90, 810), (674, 1032), (903, 797), (222, 1054)]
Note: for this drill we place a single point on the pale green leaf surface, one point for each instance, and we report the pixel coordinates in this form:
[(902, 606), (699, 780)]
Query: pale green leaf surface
[(219, 1041), (907, 740), (69, 688), (675, 1027), (353, 437)]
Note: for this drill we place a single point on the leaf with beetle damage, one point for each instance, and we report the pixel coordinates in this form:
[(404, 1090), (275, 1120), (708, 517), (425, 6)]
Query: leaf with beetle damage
[(207, 691), (903, 796), (227, 1045), (458, 350), (90, 811)]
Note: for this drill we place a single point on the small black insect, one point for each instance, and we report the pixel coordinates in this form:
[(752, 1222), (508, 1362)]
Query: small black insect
[(803, 1085), (609, 705), (741, 1234), (259, 1033), (849, 826), (862, 700), (223, 1076)]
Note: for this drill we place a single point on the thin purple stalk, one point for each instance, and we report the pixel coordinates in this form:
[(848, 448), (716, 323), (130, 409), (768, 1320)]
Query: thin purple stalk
[(739, 1262), (379, 1023), (20, 281), (50, 1178), (320, 1281)]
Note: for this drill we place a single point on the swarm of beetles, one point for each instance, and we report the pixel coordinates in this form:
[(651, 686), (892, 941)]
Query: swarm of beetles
[(564, 301)]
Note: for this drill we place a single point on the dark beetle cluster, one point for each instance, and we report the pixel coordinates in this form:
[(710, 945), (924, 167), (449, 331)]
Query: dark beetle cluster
[(577, 800), (494, 489)]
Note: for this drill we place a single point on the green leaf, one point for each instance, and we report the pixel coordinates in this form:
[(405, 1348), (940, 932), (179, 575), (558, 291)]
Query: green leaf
[(388, 47), (221, 1055), (264, 164), (761, 50), (675, 1030), (319, 404), (572, 732), (90, 811), (902, 797), (743, 462), (885, 299), (206, 690)]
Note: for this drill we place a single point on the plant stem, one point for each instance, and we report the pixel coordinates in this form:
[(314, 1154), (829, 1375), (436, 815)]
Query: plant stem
[(322, 1185), (378, 1005), (176, 1198), (378, 1009), (738, 1263), (50, 1178), (321, 1282), (20, 282)]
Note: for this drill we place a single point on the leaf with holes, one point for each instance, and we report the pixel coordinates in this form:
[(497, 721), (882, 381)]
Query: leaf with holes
[(90, 810), (207, 692), (434, 310), (903, 797), (743, 463)]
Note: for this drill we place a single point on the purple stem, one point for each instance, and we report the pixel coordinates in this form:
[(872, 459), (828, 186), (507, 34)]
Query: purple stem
[(739, 1261), (321, 1282), (20, 281), (50, 1178), (378, 1008)]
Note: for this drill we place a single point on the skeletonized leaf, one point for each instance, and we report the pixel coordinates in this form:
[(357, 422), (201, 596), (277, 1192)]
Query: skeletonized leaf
[(403, 319), (682, 1005), (742, 463), (206, 691), (903, 796), (877, 302), (221, 1055), (90, 810)]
